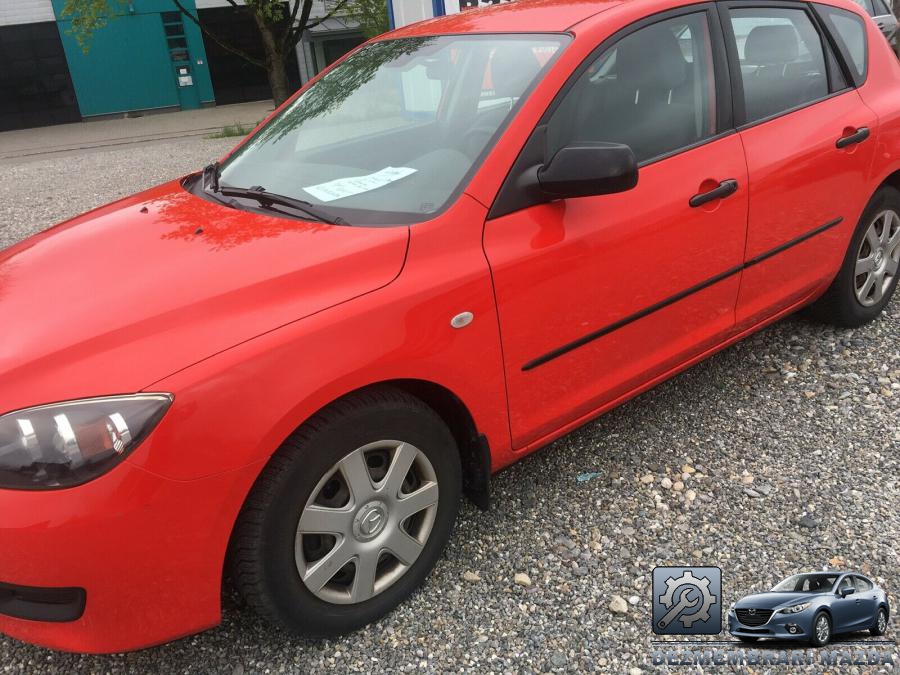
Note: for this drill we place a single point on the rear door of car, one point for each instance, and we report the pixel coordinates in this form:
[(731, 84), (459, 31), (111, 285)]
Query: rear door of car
[(808, 141), (868, 601)]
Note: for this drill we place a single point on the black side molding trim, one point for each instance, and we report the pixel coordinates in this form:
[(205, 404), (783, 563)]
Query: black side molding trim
[(55, 605), (590, 337), (793, 242)]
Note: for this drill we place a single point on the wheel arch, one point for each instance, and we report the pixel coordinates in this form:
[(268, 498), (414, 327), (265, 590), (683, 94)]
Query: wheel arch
[(892, 179)]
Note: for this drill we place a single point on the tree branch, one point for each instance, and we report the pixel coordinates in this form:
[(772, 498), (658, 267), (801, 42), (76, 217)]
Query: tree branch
[(215, 38), (297, 33), (337, 8), (289, 29)]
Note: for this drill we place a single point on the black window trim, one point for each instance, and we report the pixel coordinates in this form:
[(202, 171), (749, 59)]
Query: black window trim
[(840, 47), (737, 93), (510, 197)]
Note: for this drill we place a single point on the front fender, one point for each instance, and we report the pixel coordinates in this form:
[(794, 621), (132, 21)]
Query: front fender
[(237, 407)]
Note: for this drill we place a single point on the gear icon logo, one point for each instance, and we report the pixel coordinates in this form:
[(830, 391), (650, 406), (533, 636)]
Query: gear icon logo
[(687, 601)]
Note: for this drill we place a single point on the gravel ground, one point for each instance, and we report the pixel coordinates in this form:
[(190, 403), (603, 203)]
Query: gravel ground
[(791, 445)]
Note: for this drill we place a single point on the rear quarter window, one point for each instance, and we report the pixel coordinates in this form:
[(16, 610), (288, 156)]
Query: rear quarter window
[(849, 32)]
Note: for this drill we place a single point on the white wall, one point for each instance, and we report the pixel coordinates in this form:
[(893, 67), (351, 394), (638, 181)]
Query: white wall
[(318, 6), (14, 12)]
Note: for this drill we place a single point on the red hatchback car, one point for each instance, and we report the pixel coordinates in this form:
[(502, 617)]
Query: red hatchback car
[(467, 238)]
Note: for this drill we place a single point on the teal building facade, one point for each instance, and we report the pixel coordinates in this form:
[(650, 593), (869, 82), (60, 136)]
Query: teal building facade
[(148, 57)]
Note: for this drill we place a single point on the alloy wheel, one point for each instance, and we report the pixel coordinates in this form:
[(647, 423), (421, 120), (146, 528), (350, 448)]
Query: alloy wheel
[(822, 629), (366, 522), (882, 621), (878, 258)]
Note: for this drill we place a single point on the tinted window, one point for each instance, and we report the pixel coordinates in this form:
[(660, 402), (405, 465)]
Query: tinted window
[(850, 32), (653, 90), (880, 8), (389, 135), (782, 60), (863, 585)]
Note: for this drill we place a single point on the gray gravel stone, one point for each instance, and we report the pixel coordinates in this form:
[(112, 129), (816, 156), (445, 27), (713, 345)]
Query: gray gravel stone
[(807, 410)]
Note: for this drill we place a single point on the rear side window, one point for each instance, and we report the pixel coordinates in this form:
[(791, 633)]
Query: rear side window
[(866, 5), (863, 585), (880, 8), (782, 60), (850, 33)]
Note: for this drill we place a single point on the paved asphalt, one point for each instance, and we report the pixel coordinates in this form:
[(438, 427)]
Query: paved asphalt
[(791, 444)]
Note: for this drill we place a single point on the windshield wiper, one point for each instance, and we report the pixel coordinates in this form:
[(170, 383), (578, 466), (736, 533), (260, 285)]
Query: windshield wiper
[(270, 198)]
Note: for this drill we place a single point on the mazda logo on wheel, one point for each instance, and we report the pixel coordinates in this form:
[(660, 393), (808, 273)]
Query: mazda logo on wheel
[(371, 522)]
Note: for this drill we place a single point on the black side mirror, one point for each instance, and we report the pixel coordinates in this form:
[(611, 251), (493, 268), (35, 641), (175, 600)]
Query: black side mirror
[(847, 590), (587, 169)]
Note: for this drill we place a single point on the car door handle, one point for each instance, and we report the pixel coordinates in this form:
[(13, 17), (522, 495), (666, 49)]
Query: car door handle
[(725, 189), (861, 134)]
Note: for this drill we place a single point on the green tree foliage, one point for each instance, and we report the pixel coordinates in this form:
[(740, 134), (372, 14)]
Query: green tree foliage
[(372, 16)]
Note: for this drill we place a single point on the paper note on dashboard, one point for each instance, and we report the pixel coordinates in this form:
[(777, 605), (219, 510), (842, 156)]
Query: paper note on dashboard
[(345, 187)]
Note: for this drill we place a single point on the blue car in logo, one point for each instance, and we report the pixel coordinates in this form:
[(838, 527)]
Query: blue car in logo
[(811, 607)]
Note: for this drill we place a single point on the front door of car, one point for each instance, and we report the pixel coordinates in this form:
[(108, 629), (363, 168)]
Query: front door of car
[(807, 137), (845, 610), (600, 295)]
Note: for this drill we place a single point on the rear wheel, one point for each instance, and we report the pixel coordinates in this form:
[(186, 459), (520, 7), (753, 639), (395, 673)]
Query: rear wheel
[(869, 274), (350, 515), (880, 623)]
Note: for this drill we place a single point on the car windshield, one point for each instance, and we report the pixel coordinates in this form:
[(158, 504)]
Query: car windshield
[(807, 583), (390, 134)]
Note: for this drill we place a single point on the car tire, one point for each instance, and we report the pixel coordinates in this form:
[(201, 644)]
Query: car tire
[(819, 637), (749, 640), (841, 304), (880, 625), (376, 432)]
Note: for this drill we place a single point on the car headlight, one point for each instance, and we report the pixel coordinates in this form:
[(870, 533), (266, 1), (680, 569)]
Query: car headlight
[(61, 445), (793, 609)]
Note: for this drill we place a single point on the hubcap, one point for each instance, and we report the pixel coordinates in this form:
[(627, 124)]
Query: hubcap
[(878, 259), (822, 629), (367, 521)]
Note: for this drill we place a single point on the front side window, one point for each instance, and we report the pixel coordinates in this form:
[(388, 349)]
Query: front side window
[(782, 60), (653, 90), (389, 135)]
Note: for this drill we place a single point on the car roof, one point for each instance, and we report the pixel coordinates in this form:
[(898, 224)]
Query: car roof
[(542, 16), (524, 16)]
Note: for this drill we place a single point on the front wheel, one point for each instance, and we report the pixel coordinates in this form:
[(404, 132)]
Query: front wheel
[(349, 516), (880, 623), (869, 274), (821, 632)]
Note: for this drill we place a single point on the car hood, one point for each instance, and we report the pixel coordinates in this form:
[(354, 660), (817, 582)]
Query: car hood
[(116, 299), (773, 600)]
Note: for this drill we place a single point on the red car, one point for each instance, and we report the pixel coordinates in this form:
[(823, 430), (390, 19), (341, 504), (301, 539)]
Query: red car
[(467, 238)]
